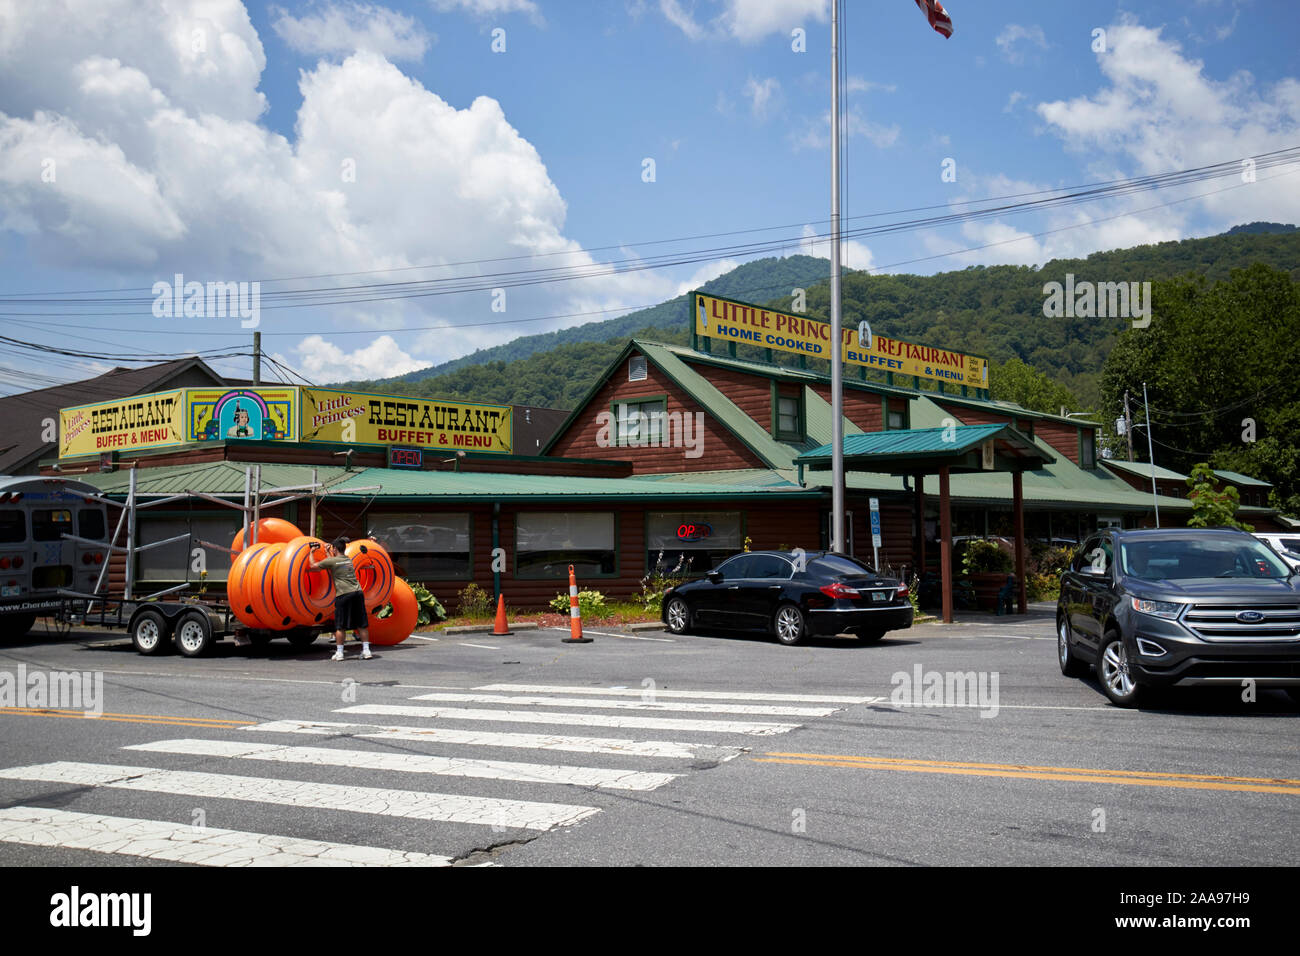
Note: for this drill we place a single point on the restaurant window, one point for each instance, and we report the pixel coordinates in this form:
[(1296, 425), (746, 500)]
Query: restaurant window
[(547, 542), (787, 412), (1087, 448), (896, 417), (692, 541), (425, 546), (173, 563), (640, 422)]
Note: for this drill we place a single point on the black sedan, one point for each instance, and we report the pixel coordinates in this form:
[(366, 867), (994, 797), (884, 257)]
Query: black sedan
[(791, 595)]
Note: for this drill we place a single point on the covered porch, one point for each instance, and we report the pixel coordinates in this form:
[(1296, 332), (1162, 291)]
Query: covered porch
[(955, 449)]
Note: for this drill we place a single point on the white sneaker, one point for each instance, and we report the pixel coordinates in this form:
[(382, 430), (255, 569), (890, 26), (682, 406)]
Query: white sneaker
[(338, 655), (366, 655)]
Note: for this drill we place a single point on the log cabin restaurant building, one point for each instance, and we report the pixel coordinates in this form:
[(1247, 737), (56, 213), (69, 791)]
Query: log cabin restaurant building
[(674, 453)]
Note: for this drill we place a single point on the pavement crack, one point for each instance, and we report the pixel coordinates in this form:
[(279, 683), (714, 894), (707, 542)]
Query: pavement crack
[(488, 854)]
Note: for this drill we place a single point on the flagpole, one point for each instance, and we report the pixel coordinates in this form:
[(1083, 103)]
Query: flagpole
[(837, 372)]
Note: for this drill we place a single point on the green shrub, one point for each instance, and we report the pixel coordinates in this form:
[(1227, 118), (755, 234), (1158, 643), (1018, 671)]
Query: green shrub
[(473, 601), (986, 557), (430, 609), (590, 604)]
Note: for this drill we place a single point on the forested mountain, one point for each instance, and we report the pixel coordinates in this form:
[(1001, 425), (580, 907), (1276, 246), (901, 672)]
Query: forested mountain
[(755, 281), (995, 311)]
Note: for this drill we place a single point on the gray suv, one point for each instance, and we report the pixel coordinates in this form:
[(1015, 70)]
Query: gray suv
[(1179, 607)]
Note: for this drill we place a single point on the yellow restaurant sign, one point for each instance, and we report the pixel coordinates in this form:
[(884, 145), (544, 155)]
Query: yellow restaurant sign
[(142, 421), (362, 418), (730, 321)]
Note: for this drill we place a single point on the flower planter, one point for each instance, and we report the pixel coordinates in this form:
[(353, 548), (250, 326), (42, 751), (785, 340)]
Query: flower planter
[(987, 585)]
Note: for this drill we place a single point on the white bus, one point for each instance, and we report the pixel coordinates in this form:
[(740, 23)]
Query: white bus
[(35, 557)]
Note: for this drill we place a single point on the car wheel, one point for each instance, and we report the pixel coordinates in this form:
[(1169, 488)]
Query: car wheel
[(677, 615), (194, 634), (149, 632), (870, 637), (1117, 682), (789, 624), (1071, 666)]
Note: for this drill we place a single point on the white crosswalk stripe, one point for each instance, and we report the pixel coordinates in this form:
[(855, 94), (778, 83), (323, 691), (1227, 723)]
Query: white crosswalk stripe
[(182, 843), (588, 720), (674, 730), (449, 808), (601, 777), (485, 738), (677, 694), (759, 710)]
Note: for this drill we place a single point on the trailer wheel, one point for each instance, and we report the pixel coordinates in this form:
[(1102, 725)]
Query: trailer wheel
[(194, 634), (14, 626), (301, 637), (149, 632)]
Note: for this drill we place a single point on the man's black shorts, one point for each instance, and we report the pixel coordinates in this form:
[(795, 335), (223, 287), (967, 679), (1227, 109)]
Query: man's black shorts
[(350, 611)]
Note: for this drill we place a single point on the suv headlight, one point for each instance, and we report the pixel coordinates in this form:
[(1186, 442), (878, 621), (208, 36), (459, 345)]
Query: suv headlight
[(1165, 609)]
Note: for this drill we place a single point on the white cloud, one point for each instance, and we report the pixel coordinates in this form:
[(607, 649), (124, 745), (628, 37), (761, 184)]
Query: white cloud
[(324, 362), (745, 20), (490, 8), (853, 254), (678, 17), (157, 172), (1015, 97), (751, 20), (1162, 112), (347, 27), (705, 273), (1009, 41), (763, 95), (857, 84), (818, 135)]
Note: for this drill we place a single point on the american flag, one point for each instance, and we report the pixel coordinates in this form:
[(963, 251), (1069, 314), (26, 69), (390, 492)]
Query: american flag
[(937, 15)]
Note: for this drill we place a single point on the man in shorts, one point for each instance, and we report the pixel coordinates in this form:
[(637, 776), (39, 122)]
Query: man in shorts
[(349, 602)]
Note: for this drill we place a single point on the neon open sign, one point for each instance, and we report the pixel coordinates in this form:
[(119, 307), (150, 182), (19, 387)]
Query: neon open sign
[(694, 532)]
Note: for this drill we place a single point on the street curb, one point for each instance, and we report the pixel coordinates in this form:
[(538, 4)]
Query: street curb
[(486, 628)]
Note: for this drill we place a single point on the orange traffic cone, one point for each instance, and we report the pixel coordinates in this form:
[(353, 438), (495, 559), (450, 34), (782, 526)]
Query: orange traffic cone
[(575, 614), (500, 628)]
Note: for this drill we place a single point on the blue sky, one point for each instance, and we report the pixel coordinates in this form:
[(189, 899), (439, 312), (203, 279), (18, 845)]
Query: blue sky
[(241, 142)]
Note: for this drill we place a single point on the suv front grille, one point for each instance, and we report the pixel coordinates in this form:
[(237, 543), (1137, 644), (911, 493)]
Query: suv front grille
[(1218, 622)]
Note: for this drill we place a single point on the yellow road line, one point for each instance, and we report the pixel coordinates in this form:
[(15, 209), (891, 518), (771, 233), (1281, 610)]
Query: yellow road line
[(1138, 778), (215, 722)]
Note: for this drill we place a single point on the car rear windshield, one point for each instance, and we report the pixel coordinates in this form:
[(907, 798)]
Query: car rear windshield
[(837, 565), (1178, 559)]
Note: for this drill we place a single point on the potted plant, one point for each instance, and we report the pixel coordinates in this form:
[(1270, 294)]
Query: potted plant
[(986, 565)]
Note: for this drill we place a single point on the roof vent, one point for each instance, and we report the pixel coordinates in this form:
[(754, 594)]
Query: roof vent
[(637, 369)]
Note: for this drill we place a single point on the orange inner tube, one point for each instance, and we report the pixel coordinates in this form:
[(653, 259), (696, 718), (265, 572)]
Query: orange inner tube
[(374, 571), (398, 626), (260, 589), (269, 531), (305, 593), (237, 591)]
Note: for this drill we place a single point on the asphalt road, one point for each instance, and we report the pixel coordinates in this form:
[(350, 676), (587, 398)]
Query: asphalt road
[(638, 749)]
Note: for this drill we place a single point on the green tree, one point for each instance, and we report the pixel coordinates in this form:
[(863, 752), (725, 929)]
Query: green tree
[(1212, 508), (1014, 381)]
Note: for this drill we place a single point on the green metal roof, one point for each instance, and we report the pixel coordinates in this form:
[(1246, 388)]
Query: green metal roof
[(213, 478), (509, 487), (1143, 469), (1234, 478), (912, 441)]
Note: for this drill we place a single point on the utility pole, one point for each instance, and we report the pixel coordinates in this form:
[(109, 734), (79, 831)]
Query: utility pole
[(1128, 426), (1151, 455), (257, 358), (837, 372)]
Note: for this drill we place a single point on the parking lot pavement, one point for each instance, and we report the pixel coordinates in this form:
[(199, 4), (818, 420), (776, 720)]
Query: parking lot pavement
[(650, 748)]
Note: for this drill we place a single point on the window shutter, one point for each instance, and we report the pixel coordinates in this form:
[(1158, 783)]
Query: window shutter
[(637, 369)]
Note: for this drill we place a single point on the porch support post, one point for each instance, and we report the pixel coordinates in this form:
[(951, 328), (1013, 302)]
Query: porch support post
[(919, 508), (945, 547), (1018, 505)]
